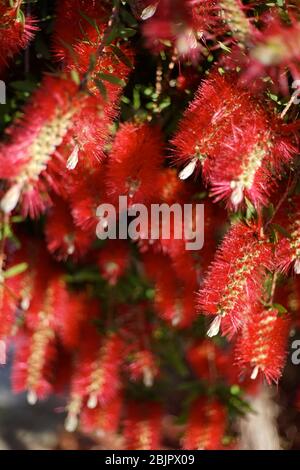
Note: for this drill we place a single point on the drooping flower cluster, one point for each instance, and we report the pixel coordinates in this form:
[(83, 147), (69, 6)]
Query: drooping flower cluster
[(15, 32), (127, 328)]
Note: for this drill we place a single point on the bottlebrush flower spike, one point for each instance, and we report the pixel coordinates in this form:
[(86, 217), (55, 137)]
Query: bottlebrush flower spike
[(216, 108), (97, 370), (235, 278), (33, 365), (143, 367), (174, 297), (85, 190), (102, 419), (16, 30), (184, 23), (248, 159), (288, 247), (234, 15), (134, 163), (34, 360), (142, 426), (206, 426), (72, 25), (276, 48), (113, 260), (208, 359), (262, 345), (64, 239)]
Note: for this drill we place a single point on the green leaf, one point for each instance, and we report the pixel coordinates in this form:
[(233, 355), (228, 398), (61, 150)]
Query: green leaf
[(281, 230), (281, 309), (91, 21), (121, 56), (75, 76), (102, 88), (15, 270), (111, 79), (111, 36)]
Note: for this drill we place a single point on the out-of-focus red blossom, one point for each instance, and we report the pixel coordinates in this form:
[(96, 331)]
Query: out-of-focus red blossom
[(33, 362), (275, 49), (85, 190), (134, 163), (16, 30), (262, 345), (143, 367), (64, 238), (72, 25), (113, 260), (61, 125), (288, 248), (102, 419), (234, 282), (73, 310), (174, 299), (143, 426), (236, 142), (208, 360), (189, 24), (206, 426), (97, 370)]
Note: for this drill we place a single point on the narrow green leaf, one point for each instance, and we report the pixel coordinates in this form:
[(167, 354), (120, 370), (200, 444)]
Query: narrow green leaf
[(102, 88), (121, 56), (111, 79), (15, 270)]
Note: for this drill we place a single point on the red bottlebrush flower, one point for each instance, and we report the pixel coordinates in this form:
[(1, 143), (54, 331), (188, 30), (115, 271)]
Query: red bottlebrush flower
[(248, 159), (102, 419), (217, 106), (142, 427), (64, 239), (72, 310), (239, 145), (143, 367), (288, 247), (72, 25), (276, 48), (85, 191), (16, 30), (234, 281), (97, 375), (174, 299), (33, 362), (61, 122), (134, 161), (261, 347), (207, 360), (206, 426), (113, 260)]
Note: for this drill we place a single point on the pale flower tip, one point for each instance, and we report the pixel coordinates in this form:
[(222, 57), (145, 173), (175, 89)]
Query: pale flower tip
[(188, 170), (71, 423), (214, 327), (25, 304), (255, 373), (10, 199), (237, 195), (297, 266), (73, 159), (2, 352), (32, 397), (148, 377), (149, 11), (92, 402)]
